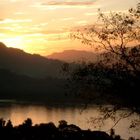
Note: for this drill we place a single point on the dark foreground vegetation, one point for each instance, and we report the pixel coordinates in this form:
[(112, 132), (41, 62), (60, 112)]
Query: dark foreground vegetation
[(116, 76), (48, 131)]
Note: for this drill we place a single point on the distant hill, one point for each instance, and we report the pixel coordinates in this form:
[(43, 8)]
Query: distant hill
[(74, 55), (33, 65), (23, 88)]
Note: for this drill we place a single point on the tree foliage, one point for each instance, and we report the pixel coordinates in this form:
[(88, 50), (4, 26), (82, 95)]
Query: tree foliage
[(48, 131), (118, 34), (115, 78)]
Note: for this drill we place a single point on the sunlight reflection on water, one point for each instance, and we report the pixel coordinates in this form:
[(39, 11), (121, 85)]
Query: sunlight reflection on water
[(44, 114)]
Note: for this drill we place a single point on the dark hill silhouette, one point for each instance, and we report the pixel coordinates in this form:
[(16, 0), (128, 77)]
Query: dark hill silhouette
[(27, 89), (33, 65), (33, 78), (74, 55)]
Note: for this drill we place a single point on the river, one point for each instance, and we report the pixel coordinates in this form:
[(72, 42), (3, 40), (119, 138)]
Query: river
[(17, 113)]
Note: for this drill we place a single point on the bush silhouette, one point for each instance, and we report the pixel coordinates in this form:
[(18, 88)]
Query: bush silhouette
[(49, 131)]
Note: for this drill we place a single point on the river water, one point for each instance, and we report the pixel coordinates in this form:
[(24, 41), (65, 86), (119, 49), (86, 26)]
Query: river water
[(17, 113)]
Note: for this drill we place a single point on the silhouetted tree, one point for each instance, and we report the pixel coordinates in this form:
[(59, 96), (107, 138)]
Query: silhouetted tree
[(2, 123), (62, 124), (116, 76), (9, 124), (115, 34), (118, 34), (27, 123), (49, 131)]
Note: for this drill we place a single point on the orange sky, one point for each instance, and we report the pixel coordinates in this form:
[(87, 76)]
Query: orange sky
[(43, 26)]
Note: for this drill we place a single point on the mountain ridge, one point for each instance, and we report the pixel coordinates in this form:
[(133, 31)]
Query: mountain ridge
[(34, 65), (74, 55)]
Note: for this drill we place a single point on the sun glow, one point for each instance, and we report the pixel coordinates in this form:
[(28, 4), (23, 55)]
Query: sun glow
[(16, 42), (42, 27)]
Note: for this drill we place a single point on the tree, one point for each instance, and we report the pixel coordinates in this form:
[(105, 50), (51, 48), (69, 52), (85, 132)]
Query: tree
[(62, 124), (114, 34), (117, 35), (27, 123), (2, 123), (9, 124)]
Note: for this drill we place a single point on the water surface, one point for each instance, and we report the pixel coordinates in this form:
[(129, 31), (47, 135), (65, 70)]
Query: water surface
[(75, 115)]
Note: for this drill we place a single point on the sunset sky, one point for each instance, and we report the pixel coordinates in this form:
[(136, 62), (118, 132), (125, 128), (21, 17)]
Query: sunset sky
[(43, 26)]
